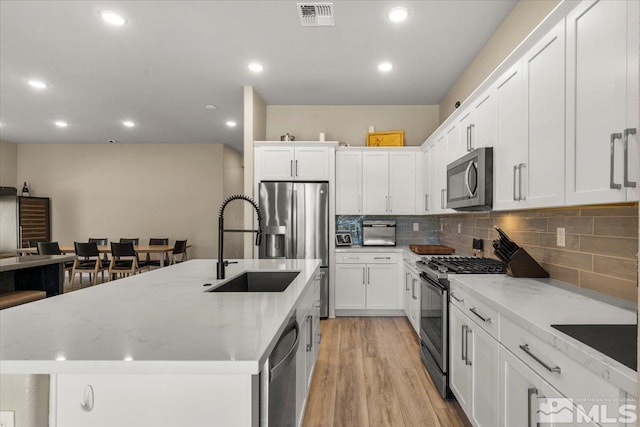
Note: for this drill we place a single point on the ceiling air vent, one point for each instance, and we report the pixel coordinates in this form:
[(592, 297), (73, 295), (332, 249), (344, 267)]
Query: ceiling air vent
[(316, 14)]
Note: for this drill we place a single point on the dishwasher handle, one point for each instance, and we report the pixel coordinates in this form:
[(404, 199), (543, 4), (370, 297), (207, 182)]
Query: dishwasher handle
[(291, 354)]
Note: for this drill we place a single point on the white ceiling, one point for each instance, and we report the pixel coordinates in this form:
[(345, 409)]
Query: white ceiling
[(174, 57)]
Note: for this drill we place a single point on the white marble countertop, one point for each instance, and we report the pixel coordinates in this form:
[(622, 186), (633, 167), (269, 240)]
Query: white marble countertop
[(158, 322), (536, 304), (29, 261), (373, 249)]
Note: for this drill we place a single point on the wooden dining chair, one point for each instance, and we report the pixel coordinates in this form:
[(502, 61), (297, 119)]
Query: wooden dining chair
[(179, 253), (153, 260), (53, 248), (124, 260), (88, 261), (101, 241), (134, 240)]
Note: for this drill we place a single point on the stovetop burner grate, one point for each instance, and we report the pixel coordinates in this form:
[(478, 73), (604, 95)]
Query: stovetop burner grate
[(465, 265)]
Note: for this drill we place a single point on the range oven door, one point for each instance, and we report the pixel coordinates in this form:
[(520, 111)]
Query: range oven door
[(434, 321)]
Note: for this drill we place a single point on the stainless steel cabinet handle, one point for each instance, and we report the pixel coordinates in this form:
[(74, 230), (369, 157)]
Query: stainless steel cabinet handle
[(352, 257), (310, 322), (554, 370), (426, 202), (468, 138), (368, 276), (464, 342), (390, 204), (471, 126), (531, 413), (413, 292), (360, 203), (442, 198), (296, 168), (364, 275), (381, 257), (406, 282), (612, 184), (466, 350), (627, 183), (291, 168), (520, 167), (483, 318), (453, 295), (515, 170), (88, 400)]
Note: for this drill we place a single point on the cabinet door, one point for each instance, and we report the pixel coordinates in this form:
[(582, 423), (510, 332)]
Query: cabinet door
[(456, 147), (520, 388), (301, 363), (459, 371), (274, 163), (544, 74), (311, 163), (633, 66), (406, 303), (439, 175), (510, 150), (402, 183), (596, 101), (382, 288), (414, 302), (348, 182), (375, 183), (423, 201), (483, 126), (484, 358), (465, 129), (350, 283)]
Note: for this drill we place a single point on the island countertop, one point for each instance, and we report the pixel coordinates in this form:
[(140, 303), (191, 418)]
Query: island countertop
[(158, 322)]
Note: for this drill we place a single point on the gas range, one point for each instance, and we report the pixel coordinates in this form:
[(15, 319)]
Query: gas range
[(441, 266)]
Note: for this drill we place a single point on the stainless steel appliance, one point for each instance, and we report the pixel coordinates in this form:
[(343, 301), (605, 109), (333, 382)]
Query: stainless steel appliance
[(296, 225), (282, 377), (470, 181), (434, 309), (378, 233)]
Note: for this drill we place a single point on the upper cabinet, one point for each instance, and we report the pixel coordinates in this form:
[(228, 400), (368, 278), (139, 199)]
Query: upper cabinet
[(292, 162), (602, 102), (377, 182)]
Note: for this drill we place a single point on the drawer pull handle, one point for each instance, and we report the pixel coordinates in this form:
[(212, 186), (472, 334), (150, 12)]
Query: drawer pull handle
[(352, 257), (87, 405), (453, 295), (381, 257), (554, 370), (484, 319)]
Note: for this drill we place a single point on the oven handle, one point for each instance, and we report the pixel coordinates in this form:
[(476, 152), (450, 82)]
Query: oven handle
[(439, 288)]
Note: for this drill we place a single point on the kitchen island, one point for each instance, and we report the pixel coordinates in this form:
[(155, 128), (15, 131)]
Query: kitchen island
[(157, 348)]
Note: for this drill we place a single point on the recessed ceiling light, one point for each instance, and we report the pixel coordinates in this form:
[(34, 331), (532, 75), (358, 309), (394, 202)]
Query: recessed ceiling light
[(231, 123), (210, 107), (128, 123), (385, 66), (398, 14), (61, 123), (113, 18), (255, 67), (37, 84)]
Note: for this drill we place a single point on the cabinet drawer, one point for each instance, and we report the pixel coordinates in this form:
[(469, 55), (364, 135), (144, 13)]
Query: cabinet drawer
[(485, 317), (562, 372), (366, 258)]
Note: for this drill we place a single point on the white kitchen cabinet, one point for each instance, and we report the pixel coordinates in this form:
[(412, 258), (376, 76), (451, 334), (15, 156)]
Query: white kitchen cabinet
[(509, 153), (348, 182), (439, 177), (456, 147), (402, 182), (459, 368), (602, 102), (476, 124), (375, 182), (151, 400), (350, 286), (411, 296), (367, 281), (292, 163), (544, 74), (425, 180), (483, 357)]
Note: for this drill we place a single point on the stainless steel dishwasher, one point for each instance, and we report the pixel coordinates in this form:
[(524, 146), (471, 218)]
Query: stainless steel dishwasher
[(282, 377)]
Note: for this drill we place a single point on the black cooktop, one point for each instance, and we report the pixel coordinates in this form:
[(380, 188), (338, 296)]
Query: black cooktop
[(616, 341), (466, 265)]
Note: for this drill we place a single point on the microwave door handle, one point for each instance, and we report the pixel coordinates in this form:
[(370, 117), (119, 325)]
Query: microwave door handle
[(466, 178)]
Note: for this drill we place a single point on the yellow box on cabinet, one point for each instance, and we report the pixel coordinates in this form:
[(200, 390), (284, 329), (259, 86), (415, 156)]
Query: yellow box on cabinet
[(392, 138)]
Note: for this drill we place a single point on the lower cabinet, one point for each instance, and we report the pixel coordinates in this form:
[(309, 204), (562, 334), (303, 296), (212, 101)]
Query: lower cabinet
[(474, 369), (367, 285), (411, 297)]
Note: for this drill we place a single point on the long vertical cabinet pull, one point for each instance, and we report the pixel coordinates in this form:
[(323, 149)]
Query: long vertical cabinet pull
[(442, 197), (390, 204), (471, 126), (532, 394), (291, 168), (406, 282), (520, 167), (515, 171), (612, 184), (413, 289), (310, 323), (296, 168), (464, 342), (426, 202), (368, 276), (364, 275), (466, 349), (468, 138), (627, 183)]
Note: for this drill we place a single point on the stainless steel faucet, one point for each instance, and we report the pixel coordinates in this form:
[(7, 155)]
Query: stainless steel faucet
[(221, 263)]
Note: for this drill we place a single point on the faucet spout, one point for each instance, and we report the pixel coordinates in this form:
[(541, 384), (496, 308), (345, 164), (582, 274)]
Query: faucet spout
[(220, 273)]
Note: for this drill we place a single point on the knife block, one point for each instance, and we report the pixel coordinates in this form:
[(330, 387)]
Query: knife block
[(523, 265)]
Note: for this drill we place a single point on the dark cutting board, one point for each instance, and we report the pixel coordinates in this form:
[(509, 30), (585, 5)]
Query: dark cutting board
[(432, 249)]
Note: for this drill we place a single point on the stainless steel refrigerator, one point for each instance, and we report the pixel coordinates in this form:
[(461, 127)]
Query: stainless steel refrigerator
[(296, 225)]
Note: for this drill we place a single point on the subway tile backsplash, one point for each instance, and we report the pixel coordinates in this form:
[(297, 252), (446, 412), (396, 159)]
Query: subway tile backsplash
[(601, 243), (427, 234)]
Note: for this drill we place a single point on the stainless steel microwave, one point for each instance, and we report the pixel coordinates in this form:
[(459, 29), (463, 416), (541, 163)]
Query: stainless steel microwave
[(470, 181)]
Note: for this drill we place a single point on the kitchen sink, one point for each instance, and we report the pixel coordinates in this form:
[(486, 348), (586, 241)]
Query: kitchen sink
[(258, 281)]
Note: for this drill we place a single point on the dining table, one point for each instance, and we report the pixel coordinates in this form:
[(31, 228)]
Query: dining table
[(106, 249)]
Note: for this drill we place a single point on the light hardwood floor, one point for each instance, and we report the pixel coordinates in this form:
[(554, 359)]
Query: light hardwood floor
[(369, 373)]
